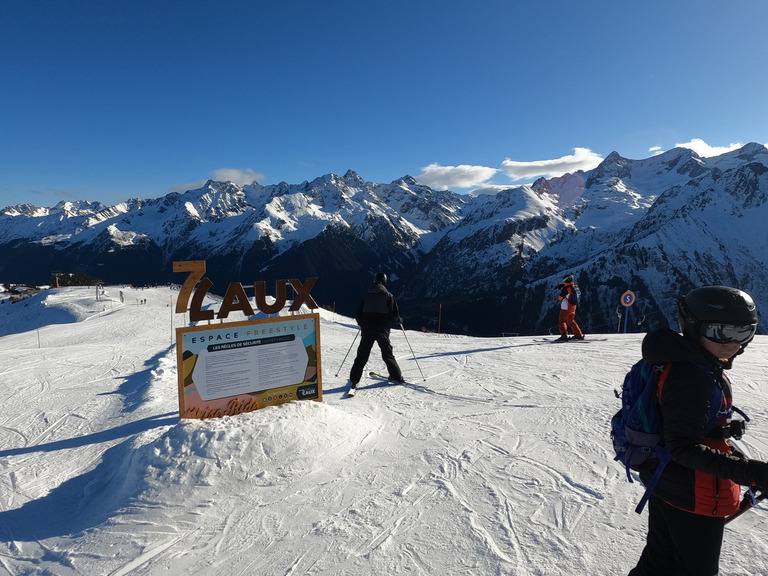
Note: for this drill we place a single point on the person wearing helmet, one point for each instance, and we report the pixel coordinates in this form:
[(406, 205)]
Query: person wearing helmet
[(568, 298), (701, 485), (375, 314)]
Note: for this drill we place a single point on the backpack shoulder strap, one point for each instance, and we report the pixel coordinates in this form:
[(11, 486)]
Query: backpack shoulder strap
[(660, 451), (661, 380), (663, 456)]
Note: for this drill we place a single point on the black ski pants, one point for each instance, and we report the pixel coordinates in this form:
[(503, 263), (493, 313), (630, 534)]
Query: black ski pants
[(680, 543), (369, 336)]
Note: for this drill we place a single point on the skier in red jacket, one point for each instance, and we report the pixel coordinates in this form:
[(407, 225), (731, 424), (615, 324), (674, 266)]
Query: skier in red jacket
[(568, 301), (700, 486)]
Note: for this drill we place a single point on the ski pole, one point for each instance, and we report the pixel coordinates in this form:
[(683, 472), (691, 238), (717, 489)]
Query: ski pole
[(412, 354), (348, 351), (746, 503)]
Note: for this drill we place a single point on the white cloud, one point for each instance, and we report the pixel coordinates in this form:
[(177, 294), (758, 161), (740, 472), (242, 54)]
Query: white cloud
[(581, 159), (237, 176), (448, 177), (705, 150)]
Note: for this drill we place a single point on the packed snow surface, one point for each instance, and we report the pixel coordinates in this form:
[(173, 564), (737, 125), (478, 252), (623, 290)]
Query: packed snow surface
[(495, 459)]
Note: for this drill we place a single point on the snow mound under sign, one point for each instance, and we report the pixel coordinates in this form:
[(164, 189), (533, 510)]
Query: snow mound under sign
[(269, 447)]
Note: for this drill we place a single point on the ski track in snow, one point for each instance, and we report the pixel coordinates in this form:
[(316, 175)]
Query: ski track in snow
[(494, 459)]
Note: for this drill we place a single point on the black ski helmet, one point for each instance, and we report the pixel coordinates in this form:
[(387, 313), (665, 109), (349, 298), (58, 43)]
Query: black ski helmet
[(716, 305), (568, 278), (380, 278)]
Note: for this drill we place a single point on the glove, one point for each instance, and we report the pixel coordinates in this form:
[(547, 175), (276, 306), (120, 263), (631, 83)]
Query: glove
[(737, 453), (399, 319), (759, 472)]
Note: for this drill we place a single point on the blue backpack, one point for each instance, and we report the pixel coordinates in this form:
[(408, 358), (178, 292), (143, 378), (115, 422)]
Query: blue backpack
[(636, 429), (575, 295)]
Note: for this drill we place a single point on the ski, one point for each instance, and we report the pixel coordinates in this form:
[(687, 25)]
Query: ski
[(352, 391), (571, 339), (419, 387), (386, 378)]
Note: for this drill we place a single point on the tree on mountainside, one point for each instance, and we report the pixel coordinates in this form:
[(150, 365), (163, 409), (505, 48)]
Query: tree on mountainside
[(74, 279)]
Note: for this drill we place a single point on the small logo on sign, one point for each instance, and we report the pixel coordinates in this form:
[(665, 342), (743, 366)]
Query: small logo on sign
[(307, 392)]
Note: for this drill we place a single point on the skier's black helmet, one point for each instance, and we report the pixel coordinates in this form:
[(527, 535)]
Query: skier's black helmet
[(568, 278), (380, 278), (720, 313)]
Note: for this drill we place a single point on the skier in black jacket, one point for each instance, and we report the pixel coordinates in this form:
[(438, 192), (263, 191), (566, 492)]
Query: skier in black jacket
[(375, 314), (701, 485)]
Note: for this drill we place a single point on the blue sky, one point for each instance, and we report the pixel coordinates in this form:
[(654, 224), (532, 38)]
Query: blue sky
[(109, 100)]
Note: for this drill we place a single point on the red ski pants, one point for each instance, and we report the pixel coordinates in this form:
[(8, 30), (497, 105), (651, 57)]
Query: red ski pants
[(567, 320)]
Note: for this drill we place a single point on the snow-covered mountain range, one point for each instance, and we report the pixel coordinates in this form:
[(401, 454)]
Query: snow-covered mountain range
[(477, 264)]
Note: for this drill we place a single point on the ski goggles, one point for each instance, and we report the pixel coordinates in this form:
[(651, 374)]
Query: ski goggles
[(727, 333)]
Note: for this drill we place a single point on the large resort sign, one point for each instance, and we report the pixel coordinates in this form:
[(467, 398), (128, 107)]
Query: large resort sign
[(235, 367)]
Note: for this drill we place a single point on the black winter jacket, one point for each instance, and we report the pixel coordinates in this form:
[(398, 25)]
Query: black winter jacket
[(378, 309), (703, 475)]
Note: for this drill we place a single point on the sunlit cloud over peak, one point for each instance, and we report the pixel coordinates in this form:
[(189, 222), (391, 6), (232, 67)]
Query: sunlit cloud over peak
[(462, 176), (581, 159), (237, 176), (705, 150)]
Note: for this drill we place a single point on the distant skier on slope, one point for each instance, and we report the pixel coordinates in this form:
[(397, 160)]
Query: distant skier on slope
[(375, 314), (569, 298), (699, 487)]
